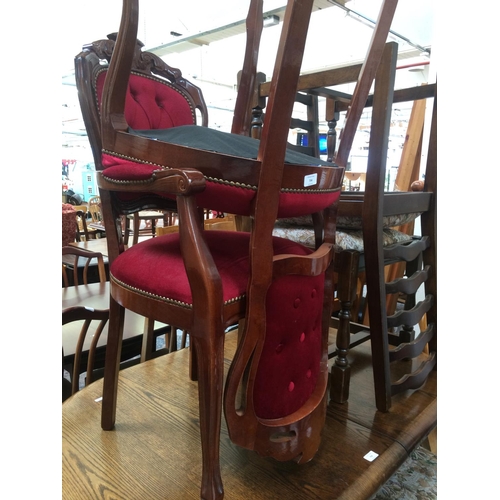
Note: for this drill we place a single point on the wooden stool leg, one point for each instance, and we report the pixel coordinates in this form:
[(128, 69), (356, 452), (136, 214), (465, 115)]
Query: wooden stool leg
[(148, 340), (193, 361), (172, 345), (347, 281), (137, 225)]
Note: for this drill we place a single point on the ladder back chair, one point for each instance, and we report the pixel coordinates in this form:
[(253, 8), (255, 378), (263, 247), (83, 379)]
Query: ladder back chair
[(206, 281), (418, 353), (393, 208), (374, 208), (398, 211)]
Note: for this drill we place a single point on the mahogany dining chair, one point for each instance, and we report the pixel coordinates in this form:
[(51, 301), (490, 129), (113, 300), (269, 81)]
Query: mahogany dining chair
[(205, 281)]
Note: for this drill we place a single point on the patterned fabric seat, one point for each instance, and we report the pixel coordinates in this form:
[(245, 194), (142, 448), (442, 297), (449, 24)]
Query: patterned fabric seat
[(349, 235)]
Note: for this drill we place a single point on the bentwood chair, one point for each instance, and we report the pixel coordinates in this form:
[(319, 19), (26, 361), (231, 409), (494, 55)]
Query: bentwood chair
[(92, 323), (70, 262), (205, 281)]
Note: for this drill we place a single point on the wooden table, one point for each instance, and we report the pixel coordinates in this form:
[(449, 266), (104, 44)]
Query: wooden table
[(154, 451)]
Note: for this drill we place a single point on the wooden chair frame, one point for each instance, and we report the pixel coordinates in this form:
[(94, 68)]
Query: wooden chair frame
[(73, 263), (377, 204), (87, 315), (186, 177)]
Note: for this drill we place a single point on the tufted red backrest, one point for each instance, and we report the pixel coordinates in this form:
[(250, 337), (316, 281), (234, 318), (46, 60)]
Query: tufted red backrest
[(290, 361), (152, 103)]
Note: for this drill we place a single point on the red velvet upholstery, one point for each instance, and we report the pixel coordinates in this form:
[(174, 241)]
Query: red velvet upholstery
[(221, 197), (290, 360), (152, 103), (142, 267), (292, 348)]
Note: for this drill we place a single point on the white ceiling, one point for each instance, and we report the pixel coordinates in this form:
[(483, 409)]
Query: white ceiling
[(210, 52)]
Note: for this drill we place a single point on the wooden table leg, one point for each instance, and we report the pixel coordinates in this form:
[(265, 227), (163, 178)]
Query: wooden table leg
[(346, 290)]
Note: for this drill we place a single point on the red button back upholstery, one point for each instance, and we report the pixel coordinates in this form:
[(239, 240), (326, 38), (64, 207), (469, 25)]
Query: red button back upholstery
[(152, 103), (290, 361)]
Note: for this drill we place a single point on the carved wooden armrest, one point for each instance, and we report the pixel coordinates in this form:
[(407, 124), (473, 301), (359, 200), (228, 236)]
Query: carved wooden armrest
[(176, 182)]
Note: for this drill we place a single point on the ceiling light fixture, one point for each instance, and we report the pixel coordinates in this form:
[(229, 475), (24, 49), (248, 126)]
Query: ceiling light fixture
[(271, 21)]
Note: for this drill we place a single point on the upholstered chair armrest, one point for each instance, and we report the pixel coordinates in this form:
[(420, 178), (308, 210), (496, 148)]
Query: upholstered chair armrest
[(175, 182)]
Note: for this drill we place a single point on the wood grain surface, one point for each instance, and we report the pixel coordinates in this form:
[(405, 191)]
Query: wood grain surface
[(154, 451)]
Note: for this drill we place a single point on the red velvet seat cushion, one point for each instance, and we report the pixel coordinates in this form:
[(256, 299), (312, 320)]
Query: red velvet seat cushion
[(155, 267), (221, 194), (290, 361)]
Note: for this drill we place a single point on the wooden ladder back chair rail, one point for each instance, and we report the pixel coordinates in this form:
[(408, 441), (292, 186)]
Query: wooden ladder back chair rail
[(420, 258), (87, 316), (257, 179), (408, 173), (352, 205), (417, 272)]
